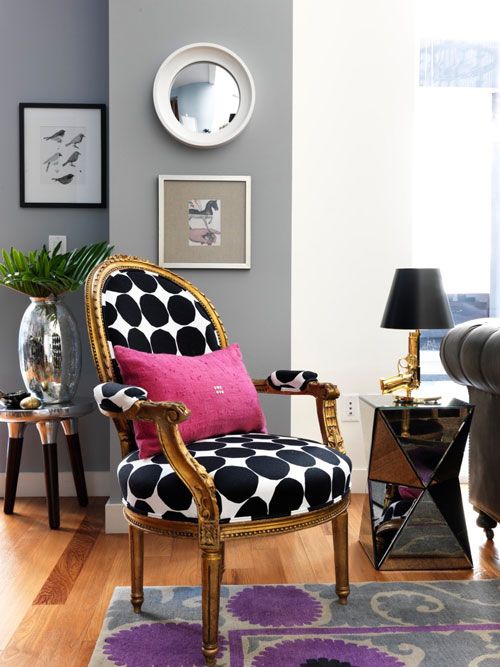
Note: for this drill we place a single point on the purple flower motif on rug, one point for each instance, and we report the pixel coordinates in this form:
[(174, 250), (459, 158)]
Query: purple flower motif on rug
[(303, 652), (257, 605), (157, 645)]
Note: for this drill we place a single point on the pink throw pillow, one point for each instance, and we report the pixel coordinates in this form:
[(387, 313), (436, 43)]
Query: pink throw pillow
[(216, 388)]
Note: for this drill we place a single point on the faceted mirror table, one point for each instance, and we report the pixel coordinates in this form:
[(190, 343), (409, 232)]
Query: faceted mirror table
[(413, 517)]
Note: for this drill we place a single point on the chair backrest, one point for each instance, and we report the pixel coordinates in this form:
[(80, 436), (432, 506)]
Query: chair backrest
[(136, 304)]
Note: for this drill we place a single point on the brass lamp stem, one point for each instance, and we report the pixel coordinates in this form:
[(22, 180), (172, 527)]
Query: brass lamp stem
[(408, 377), (413, 359)]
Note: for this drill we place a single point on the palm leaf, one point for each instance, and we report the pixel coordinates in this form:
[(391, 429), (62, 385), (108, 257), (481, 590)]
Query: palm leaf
[(42, 272)]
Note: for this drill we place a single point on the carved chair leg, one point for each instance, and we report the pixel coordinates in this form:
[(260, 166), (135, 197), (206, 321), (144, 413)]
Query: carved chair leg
[(211, 573), (223, 560), (339, 525), (136, 544)]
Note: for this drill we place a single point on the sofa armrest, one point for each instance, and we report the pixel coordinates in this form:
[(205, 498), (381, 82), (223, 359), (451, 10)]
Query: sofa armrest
[(470, 353)]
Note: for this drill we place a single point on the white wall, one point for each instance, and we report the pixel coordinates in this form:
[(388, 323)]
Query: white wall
[(354, 77)]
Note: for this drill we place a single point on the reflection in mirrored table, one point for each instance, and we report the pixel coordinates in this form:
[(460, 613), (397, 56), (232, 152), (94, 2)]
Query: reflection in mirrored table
[(413, 516), (204, 97)]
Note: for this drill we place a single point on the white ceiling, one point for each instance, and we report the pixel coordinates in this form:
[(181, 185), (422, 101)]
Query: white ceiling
[(196, 73)]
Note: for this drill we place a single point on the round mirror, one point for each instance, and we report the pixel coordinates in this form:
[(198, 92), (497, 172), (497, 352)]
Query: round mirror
[(204, 95)]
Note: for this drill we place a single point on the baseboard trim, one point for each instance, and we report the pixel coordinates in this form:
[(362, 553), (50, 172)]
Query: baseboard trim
[(114, 519), (358, 480), (32, 484)]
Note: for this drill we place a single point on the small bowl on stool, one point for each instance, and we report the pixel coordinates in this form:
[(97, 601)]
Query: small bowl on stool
[(12, 400)]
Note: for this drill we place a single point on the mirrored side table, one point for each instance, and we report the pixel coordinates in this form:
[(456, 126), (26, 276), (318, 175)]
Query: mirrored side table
[(46, 420), (413, 517)]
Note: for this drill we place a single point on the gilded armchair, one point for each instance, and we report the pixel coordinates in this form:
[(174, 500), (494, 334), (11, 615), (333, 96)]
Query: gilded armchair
[(192, 503)]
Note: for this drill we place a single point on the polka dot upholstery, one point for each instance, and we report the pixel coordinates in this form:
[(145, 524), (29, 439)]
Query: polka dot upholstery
[(256, 475), (114, 397), (396, 510), (148, 312), (294, 381)]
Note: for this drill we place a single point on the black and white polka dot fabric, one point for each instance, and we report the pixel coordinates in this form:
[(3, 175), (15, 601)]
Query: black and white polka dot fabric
[(291, 380), (147, 312), (256, 475), (396, 510), (114, 397)]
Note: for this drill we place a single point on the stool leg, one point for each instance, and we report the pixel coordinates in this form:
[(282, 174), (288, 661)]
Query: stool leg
[(48, 436), (70, 427), (14, 451)]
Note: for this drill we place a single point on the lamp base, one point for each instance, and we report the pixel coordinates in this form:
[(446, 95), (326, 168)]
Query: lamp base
[(417, 400)]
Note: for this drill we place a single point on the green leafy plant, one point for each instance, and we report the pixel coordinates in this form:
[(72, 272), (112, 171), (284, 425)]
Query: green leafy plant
[(43, 273)]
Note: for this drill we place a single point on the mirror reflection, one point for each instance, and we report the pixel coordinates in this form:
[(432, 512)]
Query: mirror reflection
[(391, 506), (204, 97)]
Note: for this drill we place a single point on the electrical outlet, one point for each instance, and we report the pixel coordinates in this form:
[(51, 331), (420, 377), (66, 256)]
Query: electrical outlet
[(350, 408), (54, 240)]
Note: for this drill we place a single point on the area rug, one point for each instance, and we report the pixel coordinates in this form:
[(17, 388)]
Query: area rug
[(429, 624)]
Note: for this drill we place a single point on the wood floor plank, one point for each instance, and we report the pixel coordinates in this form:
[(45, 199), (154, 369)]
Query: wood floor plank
[(35, 632), (36, 560), (27, 566), (59, 583)]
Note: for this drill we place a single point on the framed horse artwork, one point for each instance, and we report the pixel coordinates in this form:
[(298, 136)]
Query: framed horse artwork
[(204, 222)]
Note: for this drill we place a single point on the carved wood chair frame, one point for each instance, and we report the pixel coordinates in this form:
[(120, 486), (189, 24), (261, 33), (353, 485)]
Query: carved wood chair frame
[(167, 416)]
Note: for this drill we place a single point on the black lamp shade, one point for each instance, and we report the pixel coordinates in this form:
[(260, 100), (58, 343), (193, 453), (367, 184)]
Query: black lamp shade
[(417, 301)]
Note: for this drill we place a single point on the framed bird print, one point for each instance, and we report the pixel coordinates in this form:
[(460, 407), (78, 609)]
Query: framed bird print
[(62, 155), (204, 222)]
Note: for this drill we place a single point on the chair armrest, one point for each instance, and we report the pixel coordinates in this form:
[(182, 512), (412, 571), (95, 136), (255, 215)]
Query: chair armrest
[(292, 381), (167, 416), (324, 390), (326, 395), (113, 398)]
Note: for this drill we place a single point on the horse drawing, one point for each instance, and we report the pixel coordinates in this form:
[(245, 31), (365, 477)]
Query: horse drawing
[(204, 235), (209, 209)]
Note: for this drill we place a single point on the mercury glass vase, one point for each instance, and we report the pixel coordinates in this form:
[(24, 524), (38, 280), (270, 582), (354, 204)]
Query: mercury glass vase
[(50, 353)]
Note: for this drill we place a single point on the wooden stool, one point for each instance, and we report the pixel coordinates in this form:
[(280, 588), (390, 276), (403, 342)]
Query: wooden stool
[(47, 420)]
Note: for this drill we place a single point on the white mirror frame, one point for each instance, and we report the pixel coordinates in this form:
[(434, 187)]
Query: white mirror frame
[(203, 52)]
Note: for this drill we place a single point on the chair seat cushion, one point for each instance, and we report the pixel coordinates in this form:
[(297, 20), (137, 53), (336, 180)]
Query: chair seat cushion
[(257, 476)]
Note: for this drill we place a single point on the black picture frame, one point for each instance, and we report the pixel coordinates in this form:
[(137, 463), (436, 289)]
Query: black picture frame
[(30, 168)]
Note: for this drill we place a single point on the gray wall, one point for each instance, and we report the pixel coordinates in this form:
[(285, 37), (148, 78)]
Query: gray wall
[(50, 51), (254, 305)]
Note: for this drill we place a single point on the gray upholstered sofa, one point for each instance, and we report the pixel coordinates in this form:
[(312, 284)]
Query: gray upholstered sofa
[(470, 353)]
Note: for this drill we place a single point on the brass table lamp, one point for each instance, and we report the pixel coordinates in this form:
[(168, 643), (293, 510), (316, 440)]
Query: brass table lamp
[(416, 301)]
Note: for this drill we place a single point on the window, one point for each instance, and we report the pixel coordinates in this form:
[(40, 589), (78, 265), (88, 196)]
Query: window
[(457, 159)]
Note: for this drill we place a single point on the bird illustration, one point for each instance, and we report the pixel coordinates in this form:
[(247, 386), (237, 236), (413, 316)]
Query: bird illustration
[(76, 140), (72, 159), (57, 136), (52, 160), (64, 180)]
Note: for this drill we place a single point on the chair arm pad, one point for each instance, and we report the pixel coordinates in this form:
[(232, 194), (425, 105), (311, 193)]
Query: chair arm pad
[(293, 381), (117, 398), (470, 353)]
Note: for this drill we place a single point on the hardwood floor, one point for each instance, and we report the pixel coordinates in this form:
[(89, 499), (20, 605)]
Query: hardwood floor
[(55, 585)]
